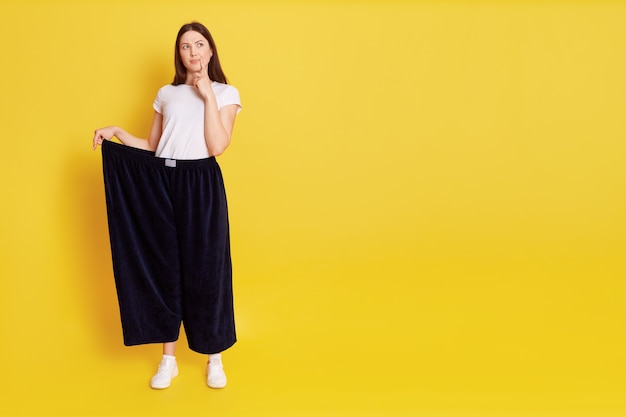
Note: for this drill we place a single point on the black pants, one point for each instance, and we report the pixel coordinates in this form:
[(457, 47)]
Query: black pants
[(168, 226)]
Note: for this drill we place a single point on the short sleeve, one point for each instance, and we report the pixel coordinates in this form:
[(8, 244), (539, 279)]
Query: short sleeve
[(231, 96), (157, 104)]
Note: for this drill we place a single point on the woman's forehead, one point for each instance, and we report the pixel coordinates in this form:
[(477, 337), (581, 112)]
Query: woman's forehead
[(191, 37)]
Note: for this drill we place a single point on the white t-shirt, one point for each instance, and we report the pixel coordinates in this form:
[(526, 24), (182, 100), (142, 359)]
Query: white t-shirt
[(183, 119)]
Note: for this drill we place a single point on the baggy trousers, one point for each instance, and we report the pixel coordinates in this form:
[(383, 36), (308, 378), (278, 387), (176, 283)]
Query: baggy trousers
[(170, 246)]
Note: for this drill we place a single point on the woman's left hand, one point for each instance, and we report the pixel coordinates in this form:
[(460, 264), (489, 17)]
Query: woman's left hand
[(202, 82)]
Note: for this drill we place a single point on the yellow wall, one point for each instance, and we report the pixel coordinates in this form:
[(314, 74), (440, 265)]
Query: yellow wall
[(427, 206)]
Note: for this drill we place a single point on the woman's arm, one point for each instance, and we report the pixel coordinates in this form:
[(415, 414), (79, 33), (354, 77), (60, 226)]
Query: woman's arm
[(218, 124), (106, 133)]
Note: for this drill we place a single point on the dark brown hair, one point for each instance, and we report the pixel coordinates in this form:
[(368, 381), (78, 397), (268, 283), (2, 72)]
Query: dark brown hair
[(214, 67)]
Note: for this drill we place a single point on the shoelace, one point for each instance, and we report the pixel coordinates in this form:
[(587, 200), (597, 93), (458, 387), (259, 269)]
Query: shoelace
[(164, 368)]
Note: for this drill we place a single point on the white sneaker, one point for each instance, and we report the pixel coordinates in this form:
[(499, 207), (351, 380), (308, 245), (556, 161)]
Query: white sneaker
[(216, 376), (167, 370)]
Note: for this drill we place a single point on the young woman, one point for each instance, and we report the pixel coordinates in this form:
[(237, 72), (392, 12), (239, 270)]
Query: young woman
[(167, 213)]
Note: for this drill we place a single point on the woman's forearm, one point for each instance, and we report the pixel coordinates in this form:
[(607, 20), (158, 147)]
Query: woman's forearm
[(130, 140), (216, 136)]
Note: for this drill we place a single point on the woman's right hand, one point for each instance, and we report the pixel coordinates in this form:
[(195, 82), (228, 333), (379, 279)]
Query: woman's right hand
[(104, 133)]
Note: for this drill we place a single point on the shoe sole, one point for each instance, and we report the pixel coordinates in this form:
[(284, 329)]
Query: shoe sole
[(217, 386)]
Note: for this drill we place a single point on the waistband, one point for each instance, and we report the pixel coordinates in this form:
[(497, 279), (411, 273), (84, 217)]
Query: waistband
[(148, 157)]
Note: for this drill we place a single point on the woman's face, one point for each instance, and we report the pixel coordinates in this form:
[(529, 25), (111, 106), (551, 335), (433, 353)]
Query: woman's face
[(194, 51)]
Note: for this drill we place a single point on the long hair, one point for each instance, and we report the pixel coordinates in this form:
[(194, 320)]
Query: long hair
[(214, 67)]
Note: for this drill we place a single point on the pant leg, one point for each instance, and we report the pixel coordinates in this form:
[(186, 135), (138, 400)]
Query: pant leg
[(202, 221), (144, 244)]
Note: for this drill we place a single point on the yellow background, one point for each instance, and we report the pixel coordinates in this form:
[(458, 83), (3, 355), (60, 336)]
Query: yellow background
[(427, 206)]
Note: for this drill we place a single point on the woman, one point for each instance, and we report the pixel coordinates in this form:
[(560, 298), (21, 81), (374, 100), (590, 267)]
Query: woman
[(167, 213)]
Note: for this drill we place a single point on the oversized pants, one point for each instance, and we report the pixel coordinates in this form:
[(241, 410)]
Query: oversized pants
[(170, 246)]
